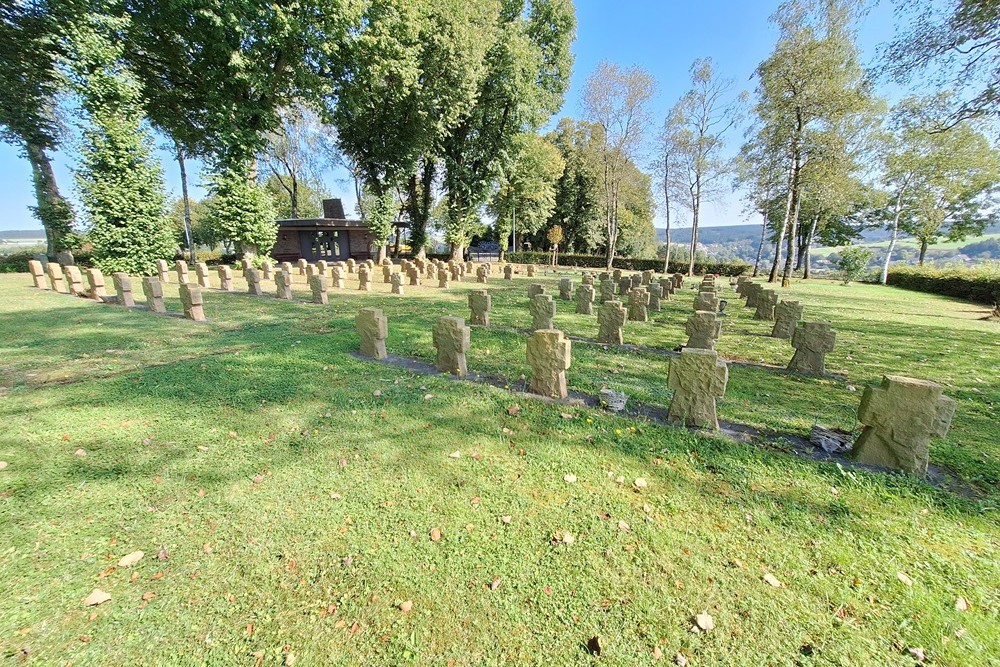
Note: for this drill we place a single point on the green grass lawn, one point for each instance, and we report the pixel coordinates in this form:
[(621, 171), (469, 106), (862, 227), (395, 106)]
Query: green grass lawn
[(285, 509)]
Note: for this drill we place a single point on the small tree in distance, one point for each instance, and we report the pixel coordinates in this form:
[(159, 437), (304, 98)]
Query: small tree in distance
[(555, 237), (853, 263)]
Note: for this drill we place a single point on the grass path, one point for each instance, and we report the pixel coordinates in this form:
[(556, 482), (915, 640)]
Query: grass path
[(294, 506)]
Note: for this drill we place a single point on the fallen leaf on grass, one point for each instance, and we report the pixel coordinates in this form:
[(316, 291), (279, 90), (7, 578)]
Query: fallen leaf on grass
[(495, 584), (514, 410), (95, 598), (506, 518), (905, 579), (680, 660), (80, 452), (435, 534), (428, 397), (406, 606), (704, 621), (640, 483), (206, 548), (377, 393), (571, 478), (149, 595), (623, 526), (202, 448), (962, 604), (3, 464), (773, 580), (131, 559), (657, 653), (566, 415), (455, 455), (917, 654), (163, 555)]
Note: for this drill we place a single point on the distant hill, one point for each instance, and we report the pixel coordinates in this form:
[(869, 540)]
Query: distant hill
[(21, 234), (712, 235)]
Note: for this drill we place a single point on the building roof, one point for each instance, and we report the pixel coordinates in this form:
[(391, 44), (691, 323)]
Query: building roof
[(333, 218)]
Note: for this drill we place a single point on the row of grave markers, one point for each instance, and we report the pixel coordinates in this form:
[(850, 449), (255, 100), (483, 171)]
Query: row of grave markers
[(900, 416)]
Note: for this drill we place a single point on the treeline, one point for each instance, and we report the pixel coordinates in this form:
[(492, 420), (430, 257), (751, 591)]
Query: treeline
[(429, 103)]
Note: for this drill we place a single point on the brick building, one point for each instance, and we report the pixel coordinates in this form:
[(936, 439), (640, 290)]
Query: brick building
[(332, 237)]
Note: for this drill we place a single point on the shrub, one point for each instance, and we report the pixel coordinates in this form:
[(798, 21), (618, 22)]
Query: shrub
[(979, 284), (629, 263), (853, 262)]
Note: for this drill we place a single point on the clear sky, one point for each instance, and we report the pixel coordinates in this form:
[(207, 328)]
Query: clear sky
[(662, 36)]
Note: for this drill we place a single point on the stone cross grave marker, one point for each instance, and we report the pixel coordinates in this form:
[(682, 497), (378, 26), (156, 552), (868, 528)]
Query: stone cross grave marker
[(900, 417), (607, 290), (655, 294), (302, 264), (508, 272), (549, 355), (703, 329), (74, 280), (204, 278), (585, 299), (163, 270), (153, 289), (812, 341), (364, 278), (192, 302), (480, 303), (225, 277), (396, 281), (95, 281), (37, 274), (413, 273), (338, 276), (56, 278), (452, 340), (253, 279), (534, 289), (786, 317), (698, 378), (373, 329), (766, 302), (444, 278), (706, 301), (267, 270), (123, 289), (181, 267), (283, 285), (317, 285), (610, 320), (542, 309), (482, 274), (566, 289), (638, 300)]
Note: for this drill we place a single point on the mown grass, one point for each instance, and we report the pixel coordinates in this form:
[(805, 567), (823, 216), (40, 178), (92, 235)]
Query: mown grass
[(295, 505)]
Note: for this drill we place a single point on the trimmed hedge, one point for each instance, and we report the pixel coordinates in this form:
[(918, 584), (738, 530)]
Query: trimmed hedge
[(15, 262), (981, 285), (631, 264)]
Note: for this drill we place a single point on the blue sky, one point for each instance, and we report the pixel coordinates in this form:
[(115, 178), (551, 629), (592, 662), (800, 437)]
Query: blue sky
[(662, 36)]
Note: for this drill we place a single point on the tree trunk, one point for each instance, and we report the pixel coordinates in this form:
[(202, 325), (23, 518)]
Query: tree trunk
[(666, 199), (295, 197), (399, 234), (185, 197), (694, 235), (781, 237), (50, 208), (760, 247), (457, 252), (923, 251), (418, 205), (892, 245), (382, 252), (794, 204), (807, 258)]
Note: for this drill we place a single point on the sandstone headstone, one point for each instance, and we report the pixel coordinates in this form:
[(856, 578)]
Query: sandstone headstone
[(786, 316), (123, 289), (311, 270), (285, 267), (432, 271), (482, 274), (752, 291), (566, 289), (602, 276), (387, 274), (322, 266), (364, 278), (95, 281), (585, 299), (181, 267), (444, 278), (413, 273), (351, 264), (373, 329), (204, 278), (812, 341), (153, 289), (283, 285), (900, 418), (638, 301), (698, 378), (534, 289), (766, 302), (542, 309), (396, 280), (549, 357), (635, 280), (610, 320), (192, 302), (616, 275), (246, 264), (267, 270), (225, 277), (531, 270), (624, 285), (163, 270), (451, 340), (655, 294), (74, 280), (678, 281), (302, 264), (254, 279), (65, 258), (480, 303), (56, 278), (706, 301), (37, 274), (703, 329), (647, 277), (607, 290), (338, 276), (508, 272), (588, 278), (317, 285)]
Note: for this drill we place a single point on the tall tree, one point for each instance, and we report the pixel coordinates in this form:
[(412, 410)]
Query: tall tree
[(408, 73), (577, 192), (760, 173), (694, 140), (952, 45), (120, 184), (616, 100), (526, 71), (939, 183), (527, 188), (812, 79), (28, 53), (292, 158)]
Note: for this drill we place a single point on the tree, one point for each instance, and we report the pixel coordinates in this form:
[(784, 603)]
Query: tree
[(812, 79), (693, 139), (28, 54), (954, 45), (407, 75), (577, 192), (760, 172), (120, 184), (526, 70), (241, 212), (291, 162), (938, 183), (853, 262), (527, 188), (616, 100), (555, 237), (309, 198)]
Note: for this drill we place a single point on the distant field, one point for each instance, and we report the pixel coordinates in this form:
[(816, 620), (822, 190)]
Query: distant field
[(909, 243)]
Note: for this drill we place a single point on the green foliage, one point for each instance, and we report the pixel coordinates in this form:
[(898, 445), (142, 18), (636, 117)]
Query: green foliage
[(309, 198), (380, 214), (853, 262), (577, 196), (203, 232), (980, 284), (241, 211), (527, 190), (120, 183)]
